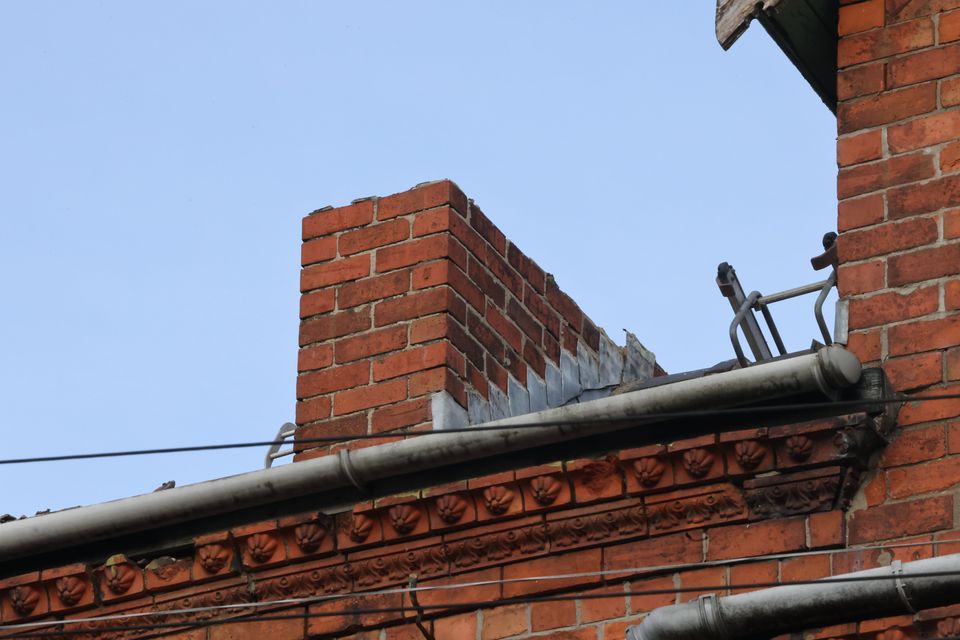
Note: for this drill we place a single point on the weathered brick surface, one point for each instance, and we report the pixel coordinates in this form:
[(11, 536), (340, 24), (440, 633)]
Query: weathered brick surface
[(401, 293)]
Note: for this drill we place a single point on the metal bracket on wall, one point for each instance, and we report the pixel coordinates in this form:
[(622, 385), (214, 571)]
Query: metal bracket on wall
[(412, 584), (745, 306)]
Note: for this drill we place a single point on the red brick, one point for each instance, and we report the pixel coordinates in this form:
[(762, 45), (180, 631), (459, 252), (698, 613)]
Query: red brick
[(924, 132), (398, 416), (445, 272), (918, 411), (420, 304), (915, 199), (753, 573), (951, 294), (413, 252), (292, 629), (864, 178), (316, 302), (552, 615), (950, 92), (953, 364), (416, 359), (953, 437), (543, 312), (860, 81), (524, 320), (370, 344), (926, 65), (324, 223), (863, 147), (334, 325), (886, 108), (504, 622), (702, 581), (924, 478), (611, 604), (432, 221), (322, 275), (908, 9), (466, 344), (826, 529), (915, 445), (526, 267), (439, 379), (503, 272), (313, 410), (861, 278), (901, 519), (923, 264), (743, 540), (347, 427), (564, 304), (318, 250), (861, 212), (949, 27), (487, 283), (490, 340), (422, 197), (914, 372), (370, 289), (883, 43), (651, 601), (317, 357), (367, 397), (865, 344), (860, 17), (890, 307), (950, 158), (317, 383), (926, 335), (951, 224), (429, 328), (461, 626), (591, 334), (374, 236), (805, 568), (677, 548), (887, 238), (507, 330), (496, 373), (574, 562), (531, 353), (488, 230)]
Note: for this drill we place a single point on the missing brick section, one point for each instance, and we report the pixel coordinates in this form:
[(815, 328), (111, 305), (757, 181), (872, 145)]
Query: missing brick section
[(579, 378)]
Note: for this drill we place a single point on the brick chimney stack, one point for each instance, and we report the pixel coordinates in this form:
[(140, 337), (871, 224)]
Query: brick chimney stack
[(418, 313)]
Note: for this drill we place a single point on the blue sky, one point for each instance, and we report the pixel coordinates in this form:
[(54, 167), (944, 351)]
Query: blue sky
[(158, 157)]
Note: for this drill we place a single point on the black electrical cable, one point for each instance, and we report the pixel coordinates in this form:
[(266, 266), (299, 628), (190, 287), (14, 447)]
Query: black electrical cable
[(449, 608), (843, 404)]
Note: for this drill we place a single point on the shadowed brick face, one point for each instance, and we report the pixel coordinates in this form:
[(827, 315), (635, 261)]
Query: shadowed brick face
[(899, 189), (412, 294)]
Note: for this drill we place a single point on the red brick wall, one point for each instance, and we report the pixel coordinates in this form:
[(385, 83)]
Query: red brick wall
[(418, 293), (899, 221)]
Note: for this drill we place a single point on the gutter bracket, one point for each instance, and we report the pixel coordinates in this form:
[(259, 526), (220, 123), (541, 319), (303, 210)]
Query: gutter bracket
[(896, 568)]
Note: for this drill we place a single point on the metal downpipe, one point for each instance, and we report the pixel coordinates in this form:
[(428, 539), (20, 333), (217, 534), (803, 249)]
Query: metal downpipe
[(828, 371), (900, 588)]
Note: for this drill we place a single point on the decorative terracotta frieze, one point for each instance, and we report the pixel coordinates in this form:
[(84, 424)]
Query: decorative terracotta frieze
[(790, 494)]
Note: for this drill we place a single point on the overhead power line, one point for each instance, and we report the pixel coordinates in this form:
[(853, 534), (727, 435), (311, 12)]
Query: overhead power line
[(448, 608), (770, 409)]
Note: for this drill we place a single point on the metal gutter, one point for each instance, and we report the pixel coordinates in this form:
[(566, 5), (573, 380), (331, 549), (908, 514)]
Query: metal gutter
[(825, 372), (900, 588)]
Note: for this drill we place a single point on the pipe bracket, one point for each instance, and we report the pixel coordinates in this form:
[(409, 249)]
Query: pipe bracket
[(346, 464), (711, 618), (897, 568)]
